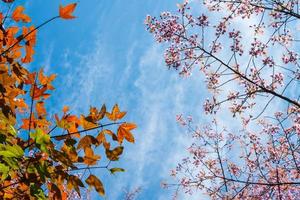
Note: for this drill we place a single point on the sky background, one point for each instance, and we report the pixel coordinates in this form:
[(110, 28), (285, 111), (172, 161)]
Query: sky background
[(106, 55)]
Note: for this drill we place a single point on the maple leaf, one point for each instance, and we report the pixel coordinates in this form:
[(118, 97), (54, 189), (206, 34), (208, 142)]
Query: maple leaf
[(124, 132), (18, 15), (22, 106), (10, 35), (58, 159), (114, 170), (65, 109), (86, 124), (74, 182), (19, 72), (30, 80), (93, 181), (40, 109), (115, 113), (29, 54), (54, 191), (86, 142), (96, 115), (46, 80), (28, 123), (101, 137), (114, 154), (65, 12), (90, 158), (30, 34), (68, 122), (38, 93), (71, 152)]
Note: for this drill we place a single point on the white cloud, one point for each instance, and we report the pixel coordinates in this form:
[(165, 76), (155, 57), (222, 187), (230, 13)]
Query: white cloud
[(161, 142)]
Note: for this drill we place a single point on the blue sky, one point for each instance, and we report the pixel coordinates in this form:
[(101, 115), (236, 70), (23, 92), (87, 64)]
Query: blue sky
[(106, 56)]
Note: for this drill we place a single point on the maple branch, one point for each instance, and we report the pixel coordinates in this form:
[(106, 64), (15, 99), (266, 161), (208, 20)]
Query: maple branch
[(31, 107), (21, 181), (12, 184), (23, 37), (89, 129), (52, 129), (6, 15), (81, 131), (83, 168)]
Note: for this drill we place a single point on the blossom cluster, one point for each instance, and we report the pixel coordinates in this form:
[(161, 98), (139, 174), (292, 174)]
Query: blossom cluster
[(244, 69)]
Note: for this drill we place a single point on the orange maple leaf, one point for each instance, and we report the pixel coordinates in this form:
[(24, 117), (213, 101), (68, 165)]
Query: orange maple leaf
[(29, 54), (68, 122), (124, 132), (40, 109), (46, 80), (22, 106), (30, 79), (90, 158), (65, 109), (10, 35), (28, 123), (66, 12), (18, 15), (30, 34), (115, 113)]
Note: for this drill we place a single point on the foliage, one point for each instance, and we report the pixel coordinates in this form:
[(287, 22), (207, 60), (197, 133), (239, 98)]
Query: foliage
[(39, 156), (248, 52)]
